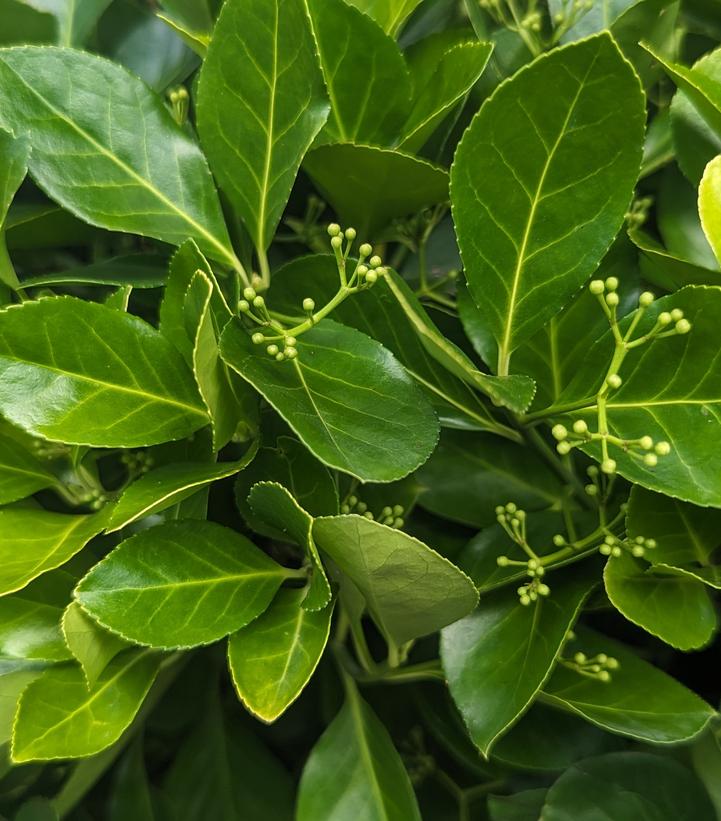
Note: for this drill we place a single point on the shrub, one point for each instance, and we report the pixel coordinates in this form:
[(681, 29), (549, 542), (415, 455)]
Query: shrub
[(360, 399)]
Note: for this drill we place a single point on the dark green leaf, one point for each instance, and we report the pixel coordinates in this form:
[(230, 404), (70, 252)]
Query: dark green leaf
[(521, 806), (137, 270), (668, 271), (21, 472)]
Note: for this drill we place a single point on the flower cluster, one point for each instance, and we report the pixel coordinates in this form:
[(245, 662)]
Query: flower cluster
[(390, 516)]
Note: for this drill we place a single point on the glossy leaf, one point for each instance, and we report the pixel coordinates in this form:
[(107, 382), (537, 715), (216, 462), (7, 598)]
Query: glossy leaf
[(180, 584), (33, 541), (409, 589), (58, 717), (77, 20), (641, 702), (30, 622), (709, 204), (368, 186), (14, 154), (351, 46), (21, 472), (260, 105), (666, 270), (91, 646), (628, 784), (57, 387), (136, 270), (273, 658), (107, 172), (553, 200), (169, 485), (676, 608), (390, 14), (355, 772), (274, 505), (354, 407), (497, 659)]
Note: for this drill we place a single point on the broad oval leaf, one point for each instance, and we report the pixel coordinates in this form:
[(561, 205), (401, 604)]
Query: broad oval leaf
[(129, 388), (539, 190), (260, 105), (410, 590), (354, 772), (180, 584), (59, 717), (347, 397), (640, 701), (33, 541), (497, 659), (133, 170), (273, 658), (91, 646)]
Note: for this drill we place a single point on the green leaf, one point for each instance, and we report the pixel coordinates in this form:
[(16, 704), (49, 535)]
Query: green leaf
[(131, 795), (628, 785), (470, 473), (12, 685), (136, 270), (410, 590), (676, 608), (169, 485), (77, 19), (59, 717), (441, 78), (33, 541), (137, 172), (404, 331), (521, 806), (641, 701), (368, 187), (678, 221), (686, 536), (669, 271), (346, 397), (91, 646), (354, 49), (21, 473), (260, 105), (180, 584), (274, 505), (671, 391), (709, 204), (554, 200), (355, 772), (25, 24), (14, 155), (129, 388), (497, 659), (274, 657), (389, 14)]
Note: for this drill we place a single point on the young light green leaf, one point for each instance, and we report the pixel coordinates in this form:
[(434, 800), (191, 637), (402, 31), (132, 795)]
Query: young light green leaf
[(628, 785), (709, 204), (116, 176), (347, 398), (180, 584), (369, 187), (12, 684), (169, 485), (59, 717), (355, 772), (273, 658), (441, 78), (260, 105), (354, 50), (33, 541), (410, 590), (274, 505), (21, 473), (554, 200), (676, 608), (640, 701), (91, 646), (497, 659), (389, 14), (129, 389)]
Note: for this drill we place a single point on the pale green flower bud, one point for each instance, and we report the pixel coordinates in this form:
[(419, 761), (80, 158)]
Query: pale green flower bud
[(249, 294), (612, 283), (663, 448), (558, 540), (608, 466), (559, 432), (336, 242), (272, 350), (612, 299), (676, 314), (259, 302), (308, 305), (646, 442), (580, 426), (371, 277), (257, 338), (683, 326), (375, 261), (350, 234), (597, 287), (664, 318), (650, 460), (646, 299), (366, 249), (333, 229), (614, 381), (563, 448), (243, 306), (291, 352), (502, 561)]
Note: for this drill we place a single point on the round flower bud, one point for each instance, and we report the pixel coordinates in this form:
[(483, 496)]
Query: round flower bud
[(614, 381), (650, 544), (612, 663), (362, 270), (272, 350), (604, 676), (352, 501), (249, 294), (243, 306), (500, 510), (291, 341), (559, 432), (608, 466), (543, 590), (650, 460), (280, 356), (258, 302), (616, 552), (664, 318), (646, 299), (308, 305), (336, 242), (591, 490), (638, 551), (350, 234), (611, 283), (368, 515), (344, 509), (502, 561), (610, 540), (511, 507), (580, 658), (612, 299), (639, 540), (558, 540), (371, 277), (525, 600), (375, 261), (683, 326), (333, 229), (563, 448), (596, 287), (291, 352), (605, 550), (540, 570), (663, 448), (257, 338), (361, 507), (646, 442), (676, 314), (580, 426), (366, 249)]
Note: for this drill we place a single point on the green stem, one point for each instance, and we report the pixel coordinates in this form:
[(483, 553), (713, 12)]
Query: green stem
[(264, 269), (563, 469)]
